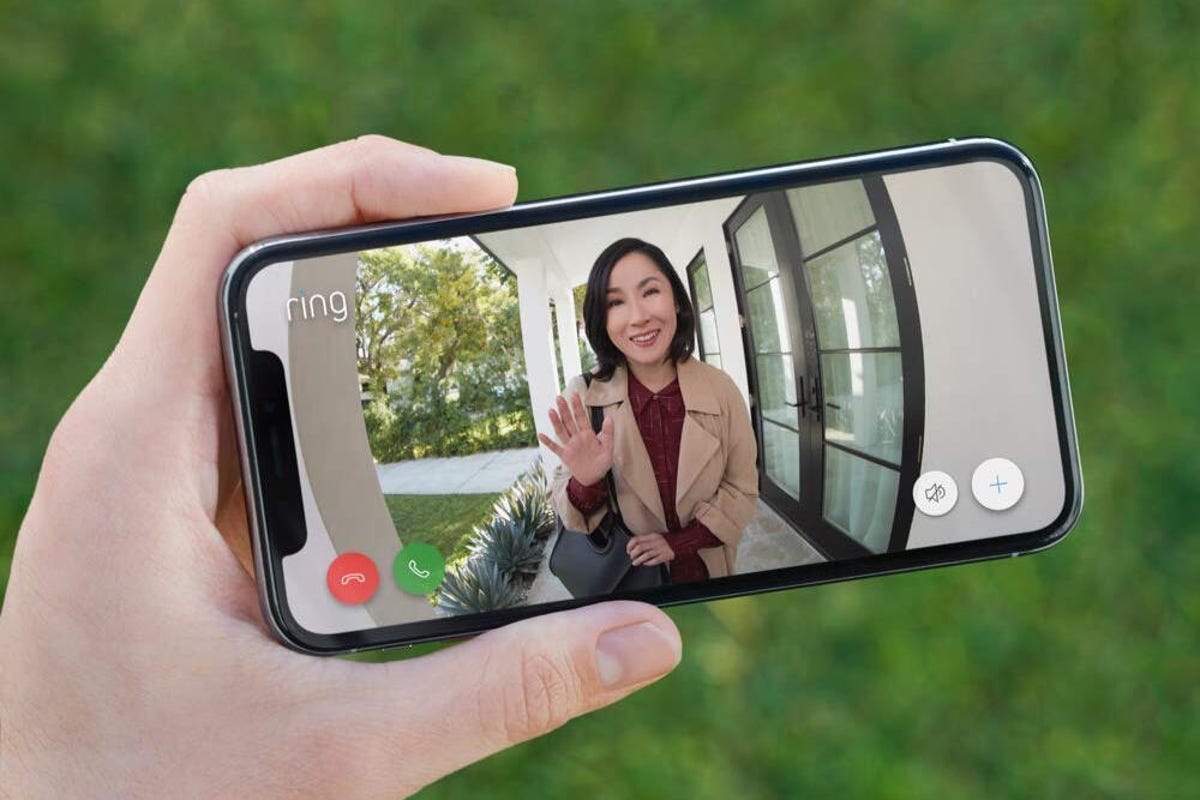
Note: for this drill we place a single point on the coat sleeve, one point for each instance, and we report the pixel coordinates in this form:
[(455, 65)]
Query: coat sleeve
[(572, 518), (730, 510)]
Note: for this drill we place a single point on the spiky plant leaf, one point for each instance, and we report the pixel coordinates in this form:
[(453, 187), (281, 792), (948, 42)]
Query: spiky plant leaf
[(507, 544), (476, 585)]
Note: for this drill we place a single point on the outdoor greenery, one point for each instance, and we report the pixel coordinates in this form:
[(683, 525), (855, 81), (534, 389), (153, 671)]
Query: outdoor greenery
[(1067, 674), (506, 549), (526, 503), (474, 585), (439, 351), (512, 548), (442, 520)]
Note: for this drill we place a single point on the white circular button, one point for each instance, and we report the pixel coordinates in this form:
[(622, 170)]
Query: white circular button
[(997, 484), (935, 493)]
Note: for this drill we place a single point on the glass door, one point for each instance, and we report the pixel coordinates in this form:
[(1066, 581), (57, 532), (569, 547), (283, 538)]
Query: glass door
[(825, 328), (765, 274)]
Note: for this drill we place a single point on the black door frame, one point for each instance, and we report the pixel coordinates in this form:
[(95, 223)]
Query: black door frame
[(807, 516), (773, 494)]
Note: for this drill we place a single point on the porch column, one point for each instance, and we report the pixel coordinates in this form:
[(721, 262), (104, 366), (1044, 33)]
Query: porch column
[(537, 340), (568, 334)]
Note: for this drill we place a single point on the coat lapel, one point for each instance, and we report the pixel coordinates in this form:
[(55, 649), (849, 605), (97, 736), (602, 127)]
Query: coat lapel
[(631, 461), (697, 446)]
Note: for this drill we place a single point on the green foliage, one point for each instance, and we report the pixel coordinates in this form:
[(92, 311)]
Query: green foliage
[(1067, 674), (439, 348), (587, 357), (442, 520), (527, 503), (476, 585), (508, 544)]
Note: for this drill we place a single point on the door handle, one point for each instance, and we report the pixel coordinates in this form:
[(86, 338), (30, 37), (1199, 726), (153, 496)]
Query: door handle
[(816, 397), (803, 404)]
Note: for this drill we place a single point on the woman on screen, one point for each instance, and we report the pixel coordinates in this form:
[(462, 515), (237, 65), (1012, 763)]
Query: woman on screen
[(676, 432)]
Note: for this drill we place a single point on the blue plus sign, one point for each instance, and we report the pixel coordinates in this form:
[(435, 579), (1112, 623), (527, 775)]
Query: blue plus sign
[(999, 483)]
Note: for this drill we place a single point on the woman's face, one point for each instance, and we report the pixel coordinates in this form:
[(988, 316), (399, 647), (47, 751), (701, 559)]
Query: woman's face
[(640, 317)]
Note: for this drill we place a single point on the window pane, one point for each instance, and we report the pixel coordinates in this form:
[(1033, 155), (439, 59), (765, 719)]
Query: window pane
[(860, 498), (700, 284), (777, 388), (768, 318), (829, 213), (864, 402), (708, 331), (781, 456), (755, 249), (852, 296), (714, 359)]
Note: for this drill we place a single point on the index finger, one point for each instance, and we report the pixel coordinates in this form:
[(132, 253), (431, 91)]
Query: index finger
[(368, 179)]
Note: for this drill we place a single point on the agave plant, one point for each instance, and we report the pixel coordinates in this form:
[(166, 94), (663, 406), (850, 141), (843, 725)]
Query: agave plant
[(507, 544), (476, 585), (537, 476), (527, 503)]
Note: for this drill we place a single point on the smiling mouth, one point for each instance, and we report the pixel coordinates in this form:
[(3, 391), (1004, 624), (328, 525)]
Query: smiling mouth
[(645, 339)]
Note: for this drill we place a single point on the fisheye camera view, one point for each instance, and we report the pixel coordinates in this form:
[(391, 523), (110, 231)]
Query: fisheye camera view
[(755, 383)]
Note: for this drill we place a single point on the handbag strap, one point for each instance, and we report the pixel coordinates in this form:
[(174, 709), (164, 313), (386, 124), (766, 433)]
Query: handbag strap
[(597, 416)]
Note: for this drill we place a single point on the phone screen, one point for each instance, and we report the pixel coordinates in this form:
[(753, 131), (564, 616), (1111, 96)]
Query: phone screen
[(856, 368)]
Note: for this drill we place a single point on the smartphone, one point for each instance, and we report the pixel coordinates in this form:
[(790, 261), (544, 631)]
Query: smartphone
[(868, 378)]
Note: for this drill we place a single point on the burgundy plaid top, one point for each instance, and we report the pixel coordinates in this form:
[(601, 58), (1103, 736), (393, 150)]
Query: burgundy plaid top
[(659, 418)]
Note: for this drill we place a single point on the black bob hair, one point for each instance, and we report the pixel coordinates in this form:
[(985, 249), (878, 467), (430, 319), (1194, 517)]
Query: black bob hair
[(595, 306)]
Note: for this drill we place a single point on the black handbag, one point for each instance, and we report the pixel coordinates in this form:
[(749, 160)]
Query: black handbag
[(596, 563)]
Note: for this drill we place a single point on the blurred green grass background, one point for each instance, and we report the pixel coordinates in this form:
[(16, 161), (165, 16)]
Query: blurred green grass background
[(1070, 674)]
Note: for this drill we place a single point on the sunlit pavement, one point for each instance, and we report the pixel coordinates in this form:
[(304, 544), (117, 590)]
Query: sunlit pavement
[(481, 473)]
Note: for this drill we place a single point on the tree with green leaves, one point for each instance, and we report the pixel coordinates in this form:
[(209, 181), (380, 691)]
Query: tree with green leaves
[(439, 350)]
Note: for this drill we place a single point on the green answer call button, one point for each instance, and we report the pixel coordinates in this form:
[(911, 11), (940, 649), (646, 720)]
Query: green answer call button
[(419, 568)]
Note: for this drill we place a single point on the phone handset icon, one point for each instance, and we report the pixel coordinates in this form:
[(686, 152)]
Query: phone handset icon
[(418, 568), (352, 578)]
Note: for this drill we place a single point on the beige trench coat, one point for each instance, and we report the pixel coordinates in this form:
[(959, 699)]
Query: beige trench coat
[(717, 480)]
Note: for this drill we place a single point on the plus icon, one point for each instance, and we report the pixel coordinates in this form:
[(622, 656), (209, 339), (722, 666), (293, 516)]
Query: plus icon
[(997, 484)]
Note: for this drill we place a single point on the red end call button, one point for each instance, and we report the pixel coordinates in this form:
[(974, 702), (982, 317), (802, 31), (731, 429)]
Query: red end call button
[(352, 578)]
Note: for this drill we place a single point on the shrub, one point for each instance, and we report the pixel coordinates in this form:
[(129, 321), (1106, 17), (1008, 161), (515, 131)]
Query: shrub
[(508, 545), (527, 503), (476, 585)]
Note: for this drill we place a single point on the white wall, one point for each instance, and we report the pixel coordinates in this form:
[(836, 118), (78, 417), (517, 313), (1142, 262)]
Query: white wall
[(987, 385), (702, 228)]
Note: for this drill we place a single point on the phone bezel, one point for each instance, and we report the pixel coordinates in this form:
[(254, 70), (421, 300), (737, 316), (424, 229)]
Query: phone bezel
[(235, 342)]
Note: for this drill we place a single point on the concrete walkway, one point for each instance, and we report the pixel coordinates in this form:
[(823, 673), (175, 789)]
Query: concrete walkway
[(482, 473), (768, 543)]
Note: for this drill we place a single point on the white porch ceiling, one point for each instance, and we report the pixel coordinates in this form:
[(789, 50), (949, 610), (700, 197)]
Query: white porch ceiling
[(567, 250)]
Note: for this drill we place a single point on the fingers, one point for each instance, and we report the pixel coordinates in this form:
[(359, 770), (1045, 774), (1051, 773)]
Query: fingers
[(649, 549), (583, 420), (367, 179), (456, 706), (560, 430), (566, 417), (552, 445), (606, 432), (654, 561)]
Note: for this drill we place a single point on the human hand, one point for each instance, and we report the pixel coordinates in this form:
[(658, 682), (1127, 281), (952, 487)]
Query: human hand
[(649, 549), (133, 657), (588, 456)]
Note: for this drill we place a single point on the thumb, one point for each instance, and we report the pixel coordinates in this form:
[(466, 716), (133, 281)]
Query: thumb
[(606, 431), (459, 705)]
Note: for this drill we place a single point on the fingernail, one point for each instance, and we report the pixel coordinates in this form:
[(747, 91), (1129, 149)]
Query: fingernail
[(635, 653)]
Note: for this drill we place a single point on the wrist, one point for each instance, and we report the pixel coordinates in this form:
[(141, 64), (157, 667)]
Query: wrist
[(588, 481)]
